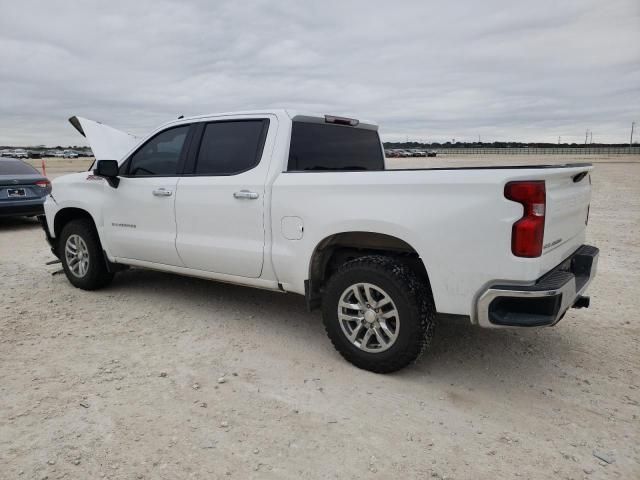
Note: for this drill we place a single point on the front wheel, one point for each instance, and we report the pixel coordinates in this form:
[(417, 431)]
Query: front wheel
[(378, 314), (81, 255)]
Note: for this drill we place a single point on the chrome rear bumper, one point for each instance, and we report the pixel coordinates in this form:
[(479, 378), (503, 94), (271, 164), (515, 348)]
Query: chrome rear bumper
[(544, 302)]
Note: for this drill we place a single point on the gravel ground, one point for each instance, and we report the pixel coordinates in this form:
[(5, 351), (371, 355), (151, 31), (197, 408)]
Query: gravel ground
[(159, 376)]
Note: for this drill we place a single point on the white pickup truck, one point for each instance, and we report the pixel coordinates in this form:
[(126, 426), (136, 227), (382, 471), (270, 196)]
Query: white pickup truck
[(303, 204)]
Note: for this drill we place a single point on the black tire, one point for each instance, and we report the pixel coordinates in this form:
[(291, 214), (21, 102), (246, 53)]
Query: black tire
[(97, 274), (412, 298)]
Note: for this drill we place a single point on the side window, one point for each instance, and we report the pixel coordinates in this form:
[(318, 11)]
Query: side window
[(160, 155), (232, 147)]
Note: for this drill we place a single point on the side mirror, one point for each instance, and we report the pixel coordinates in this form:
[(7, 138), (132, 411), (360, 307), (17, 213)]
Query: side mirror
[(108, 169)]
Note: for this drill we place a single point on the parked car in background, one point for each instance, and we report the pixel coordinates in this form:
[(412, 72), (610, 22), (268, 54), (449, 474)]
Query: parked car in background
[(22, 189), (398, 153), (302, 203), (69, 154), (15, 153), (402, 153)]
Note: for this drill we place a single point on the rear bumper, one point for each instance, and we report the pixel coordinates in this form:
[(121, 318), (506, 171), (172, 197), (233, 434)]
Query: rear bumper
[(25, 208), (546, 301)]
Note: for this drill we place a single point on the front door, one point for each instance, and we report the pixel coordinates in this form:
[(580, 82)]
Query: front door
[(220, 205), (139, 215)]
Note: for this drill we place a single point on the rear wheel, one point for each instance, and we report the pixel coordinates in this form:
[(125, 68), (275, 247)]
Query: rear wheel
[(378, 314), (82, 257)]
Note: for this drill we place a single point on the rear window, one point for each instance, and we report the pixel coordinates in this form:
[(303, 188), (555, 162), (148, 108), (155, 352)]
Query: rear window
[(13, 167), (319, 146)]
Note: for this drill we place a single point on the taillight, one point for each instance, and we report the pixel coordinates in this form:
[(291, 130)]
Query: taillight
[(527, 233), (44, 184)]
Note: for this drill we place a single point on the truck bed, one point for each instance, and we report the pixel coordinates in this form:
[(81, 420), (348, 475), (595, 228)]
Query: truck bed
[(460, 222)]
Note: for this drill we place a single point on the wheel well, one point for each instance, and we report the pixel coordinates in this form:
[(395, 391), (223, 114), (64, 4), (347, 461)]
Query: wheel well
[(65, 215), (337, 249)]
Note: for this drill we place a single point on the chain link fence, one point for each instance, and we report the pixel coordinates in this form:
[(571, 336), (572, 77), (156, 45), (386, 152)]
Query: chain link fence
[(543, 151)]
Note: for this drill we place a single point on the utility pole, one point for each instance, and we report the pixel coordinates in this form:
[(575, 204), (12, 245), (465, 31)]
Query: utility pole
[(633, 124), (590, 137), (559, 138), (586, 136)]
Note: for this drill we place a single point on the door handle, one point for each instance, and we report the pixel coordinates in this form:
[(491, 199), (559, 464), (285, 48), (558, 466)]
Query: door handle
[(245, 194), (162, 192)]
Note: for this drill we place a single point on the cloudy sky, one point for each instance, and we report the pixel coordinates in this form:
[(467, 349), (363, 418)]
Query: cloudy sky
[(426, 70)]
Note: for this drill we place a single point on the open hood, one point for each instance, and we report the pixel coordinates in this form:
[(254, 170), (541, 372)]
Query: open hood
[(107, 143)]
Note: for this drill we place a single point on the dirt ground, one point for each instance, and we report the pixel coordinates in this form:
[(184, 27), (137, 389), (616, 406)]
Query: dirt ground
[(164, 377)]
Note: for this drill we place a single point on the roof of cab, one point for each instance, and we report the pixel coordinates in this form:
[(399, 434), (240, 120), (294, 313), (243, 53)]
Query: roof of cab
[(291, 114)]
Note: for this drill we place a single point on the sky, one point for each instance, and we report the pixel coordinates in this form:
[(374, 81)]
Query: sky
[(423, 70)]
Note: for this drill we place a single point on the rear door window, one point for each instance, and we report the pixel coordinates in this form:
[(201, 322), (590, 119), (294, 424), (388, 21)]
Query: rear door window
[(232, 147), (319, 146)]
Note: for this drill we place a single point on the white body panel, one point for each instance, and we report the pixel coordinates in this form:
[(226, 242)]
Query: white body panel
[(139, 224), (457, 220)]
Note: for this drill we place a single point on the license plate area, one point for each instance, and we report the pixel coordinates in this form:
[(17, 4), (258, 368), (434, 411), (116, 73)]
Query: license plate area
[(16, 192)]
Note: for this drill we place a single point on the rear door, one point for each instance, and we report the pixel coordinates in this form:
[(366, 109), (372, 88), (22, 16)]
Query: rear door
[(139, 215), (220, 202)]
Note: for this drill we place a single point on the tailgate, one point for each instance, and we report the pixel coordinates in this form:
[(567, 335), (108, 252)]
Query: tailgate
[(568, 196)]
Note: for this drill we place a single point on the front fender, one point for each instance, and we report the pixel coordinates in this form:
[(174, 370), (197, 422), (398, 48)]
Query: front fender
[(81, 191)]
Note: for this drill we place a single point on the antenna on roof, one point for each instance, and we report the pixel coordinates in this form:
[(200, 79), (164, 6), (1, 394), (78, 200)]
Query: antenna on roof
[(181, 116)]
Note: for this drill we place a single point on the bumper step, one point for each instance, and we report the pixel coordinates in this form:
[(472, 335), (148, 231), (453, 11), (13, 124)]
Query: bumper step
[(544, 302)]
